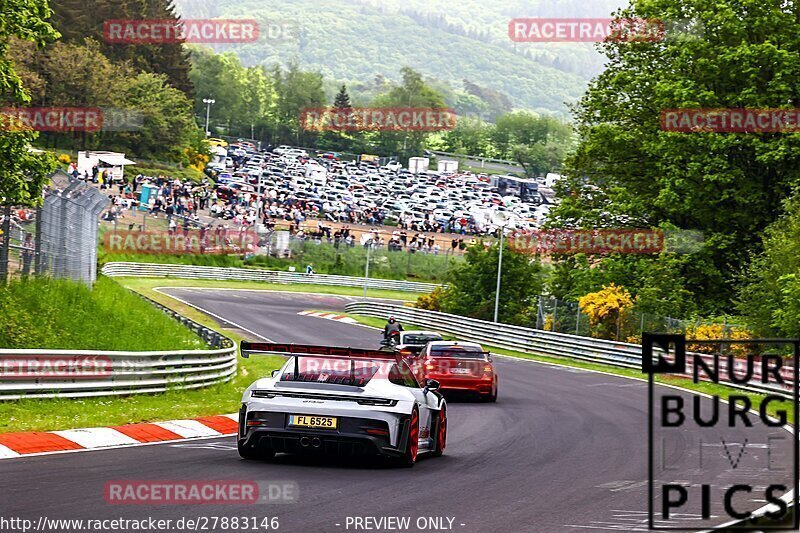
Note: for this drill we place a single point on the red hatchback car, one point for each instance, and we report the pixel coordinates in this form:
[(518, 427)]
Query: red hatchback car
[(458, 366)]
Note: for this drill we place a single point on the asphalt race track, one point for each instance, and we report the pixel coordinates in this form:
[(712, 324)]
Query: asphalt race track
[(561, 450)]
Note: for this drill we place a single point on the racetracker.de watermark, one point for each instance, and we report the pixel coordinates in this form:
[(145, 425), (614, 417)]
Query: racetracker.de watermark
[(200, 492), (66, 119), (604, 241), (166, 31), (24, 366), (280, 31), (730, 120), (596, 30), (377, 119), (181, 242)]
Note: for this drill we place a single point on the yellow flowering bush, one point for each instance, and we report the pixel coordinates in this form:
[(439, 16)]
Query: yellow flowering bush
[(432, 301), (605, 307), (196, 159), (64, 159), (717, 331)]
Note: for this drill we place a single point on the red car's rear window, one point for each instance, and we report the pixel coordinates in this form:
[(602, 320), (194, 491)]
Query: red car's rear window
[(468, 352)]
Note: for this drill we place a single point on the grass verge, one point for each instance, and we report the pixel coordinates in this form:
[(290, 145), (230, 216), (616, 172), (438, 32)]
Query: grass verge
[(56, 414), (66, 315), (325, 258), (350, 261), (146, 286)]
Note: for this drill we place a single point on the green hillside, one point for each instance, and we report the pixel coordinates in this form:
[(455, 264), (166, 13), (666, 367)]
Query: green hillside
[(364, 42)]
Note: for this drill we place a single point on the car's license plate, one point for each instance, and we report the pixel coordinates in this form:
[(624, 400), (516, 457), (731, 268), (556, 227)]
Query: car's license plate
[(460, 370), (318, 422)]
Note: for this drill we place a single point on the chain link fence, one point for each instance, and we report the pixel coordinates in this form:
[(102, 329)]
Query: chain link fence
[(566, 317), (57, 239), (353, 258)]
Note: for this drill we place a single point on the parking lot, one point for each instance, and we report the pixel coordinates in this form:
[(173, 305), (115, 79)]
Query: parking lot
[(326, 198), (293, 182)]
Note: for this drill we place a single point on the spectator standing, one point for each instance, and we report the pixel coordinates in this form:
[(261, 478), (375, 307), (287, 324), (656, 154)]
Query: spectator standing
[(27, 254)]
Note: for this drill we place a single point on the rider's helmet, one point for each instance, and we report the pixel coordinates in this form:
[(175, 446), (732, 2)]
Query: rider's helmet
[(391, 320)]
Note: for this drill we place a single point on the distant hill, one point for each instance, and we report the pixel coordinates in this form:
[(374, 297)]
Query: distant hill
[(462, 44)]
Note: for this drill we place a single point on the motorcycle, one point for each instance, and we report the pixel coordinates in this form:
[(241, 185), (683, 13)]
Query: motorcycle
[(390, 344)]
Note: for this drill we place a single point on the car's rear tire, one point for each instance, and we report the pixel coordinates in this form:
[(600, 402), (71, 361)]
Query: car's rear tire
[(409, 457), (441, 433), (252, 453), (492, 396)]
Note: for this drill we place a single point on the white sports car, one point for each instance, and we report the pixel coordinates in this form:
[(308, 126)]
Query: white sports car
[(342, 401)]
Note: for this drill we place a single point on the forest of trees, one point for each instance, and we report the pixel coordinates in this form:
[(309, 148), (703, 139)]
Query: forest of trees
[(265, 104), (77, 68), (356, 41), (734, 187)]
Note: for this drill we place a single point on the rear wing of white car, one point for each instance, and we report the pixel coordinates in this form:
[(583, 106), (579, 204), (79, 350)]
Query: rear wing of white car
[(248, 348), (297, 351)]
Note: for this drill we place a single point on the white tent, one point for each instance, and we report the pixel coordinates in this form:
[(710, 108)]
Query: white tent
[(114, 162)]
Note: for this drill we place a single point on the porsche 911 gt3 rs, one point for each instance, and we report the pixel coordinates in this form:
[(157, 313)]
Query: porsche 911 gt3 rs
[(342, 401)]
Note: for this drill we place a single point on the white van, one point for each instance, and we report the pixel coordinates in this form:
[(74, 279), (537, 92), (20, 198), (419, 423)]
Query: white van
[(317, 175)]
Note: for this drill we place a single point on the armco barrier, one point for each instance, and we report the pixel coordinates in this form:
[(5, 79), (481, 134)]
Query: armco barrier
[(529, 340), (120, 373), (153, 270)]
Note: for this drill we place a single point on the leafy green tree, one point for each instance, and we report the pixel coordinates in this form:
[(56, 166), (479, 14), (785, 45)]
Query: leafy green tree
[(494, 103), (78, 20), (22, 173), (413, 92), (71, 74), (296, 90), (78, 75), (472, 286), (469, 137), (220, 77), (657, 283), (537, 143), (768, 297), (168, 127), (258, 99), (730, 186)]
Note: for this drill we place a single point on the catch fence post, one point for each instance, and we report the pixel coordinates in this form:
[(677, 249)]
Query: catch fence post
[(555, 311)]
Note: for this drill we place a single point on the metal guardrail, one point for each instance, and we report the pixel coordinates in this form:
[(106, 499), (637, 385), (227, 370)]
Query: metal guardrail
[(25, 374), (529, 340), (153, 270)]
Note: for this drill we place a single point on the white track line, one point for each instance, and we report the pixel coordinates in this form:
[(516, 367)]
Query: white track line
[(206, 311)]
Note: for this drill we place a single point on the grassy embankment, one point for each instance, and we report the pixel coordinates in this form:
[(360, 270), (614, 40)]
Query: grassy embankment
[(109, 317)]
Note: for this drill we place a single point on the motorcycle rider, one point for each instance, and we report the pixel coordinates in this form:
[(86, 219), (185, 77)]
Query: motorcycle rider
[(392, 327)]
